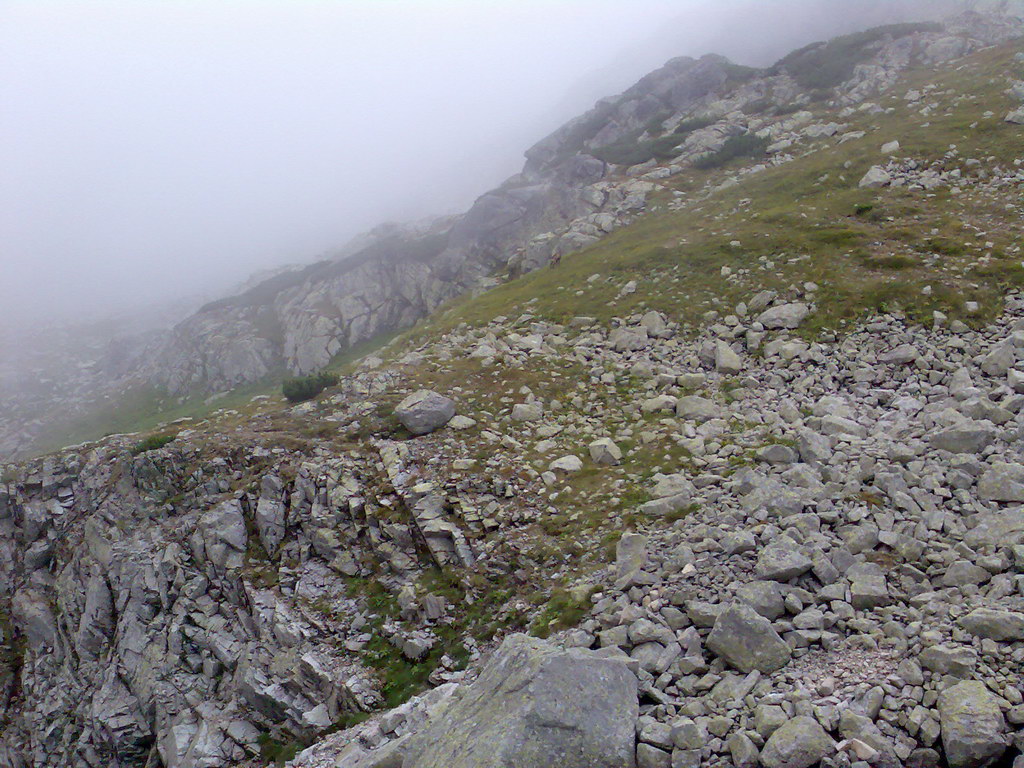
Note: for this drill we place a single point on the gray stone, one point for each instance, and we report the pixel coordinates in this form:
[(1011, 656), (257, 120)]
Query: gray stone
[(532, 705), (1002, 482), (528, 411), (424, 412), (994, 624), (649, 756), (965, 438), (747, 641), (997, 529), (800, 743), (696, 408), (777, 454), (999, 360), (726, 360), (630, 554), (782, 561), (964, 572), (605, 451), (972, 725), (955, 660), (743, 751), (765, 597), (784, 316), (875, 177)]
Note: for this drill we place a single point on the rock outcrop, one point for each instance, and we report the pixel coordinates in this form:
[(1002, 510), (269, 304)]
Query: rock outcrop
[(533, 705)]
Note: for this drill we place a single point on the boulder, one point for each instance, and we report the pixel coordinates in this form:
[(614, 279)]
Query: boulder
[(800, 743), (566, 464), (972, 725), (747, 641), (535, 704), (528, 411), (994, 625), (997, 528), (1002, 482), (784, 316), (424, 412), (630, 554), (782, 561), (955, 660), (726, 359), (965, 438), (696, 408), (876, 177), (1016, 116), (605, 451)]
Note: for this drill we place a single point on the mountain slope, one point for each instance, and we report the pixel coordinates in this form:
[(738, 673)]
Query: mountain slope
[(569, 194), (737, 417)]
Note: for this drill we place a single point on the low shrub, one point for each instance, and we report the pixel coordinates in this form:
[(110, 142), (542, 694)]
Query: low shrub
[(747, 145), (693, 124), (152, 443), (303, 388)]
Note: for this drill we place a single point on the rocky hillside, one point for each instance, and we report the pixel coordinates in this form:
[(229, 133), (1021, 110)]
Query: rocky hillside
[(587, 179), (739, 483)]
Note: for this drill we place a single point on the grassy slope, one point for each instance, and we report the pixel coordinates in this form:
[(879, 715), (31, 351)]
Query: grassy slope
[(801, 216)]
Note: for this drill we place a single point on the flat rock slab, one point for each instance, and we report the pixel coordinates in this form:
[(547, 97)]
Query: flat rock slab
[(747, 641), (535, 704)]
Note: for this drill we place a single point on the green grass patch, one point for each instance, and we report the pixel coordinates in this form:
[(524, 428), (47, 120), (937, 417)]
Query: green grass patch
[(152, 443)]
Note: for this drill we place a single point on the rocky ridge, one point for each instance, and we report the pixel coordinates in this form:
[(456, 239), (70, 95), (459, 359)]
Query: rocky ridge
[(565, 198)]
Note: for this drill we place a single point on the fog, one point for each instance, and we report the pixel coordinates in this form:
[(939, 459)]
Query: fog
[(156, 149)]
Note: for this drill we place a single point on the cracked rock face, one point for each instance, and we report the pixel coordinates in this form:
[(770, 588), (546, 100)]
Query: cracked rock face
[(534, 705)]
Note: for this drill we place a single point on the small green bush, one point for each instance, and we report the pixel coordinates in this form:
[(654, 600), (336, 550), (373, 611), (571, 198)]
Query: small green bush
[(152, 443), (788, 109), (758, 107), (654, 124), (624, 152), (747, 145), (693, 124), (303, 388)]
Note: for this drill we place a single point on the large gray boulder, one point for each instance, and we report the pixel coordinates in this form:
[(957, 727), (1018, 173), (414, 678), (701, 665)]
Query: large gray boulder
[(424, 411), (782, 561), (964, 438), (800, 743), (994, 625), (784, 315), (875, 177), (535, 704), (972, 725), (747, 641), (1002, 482)]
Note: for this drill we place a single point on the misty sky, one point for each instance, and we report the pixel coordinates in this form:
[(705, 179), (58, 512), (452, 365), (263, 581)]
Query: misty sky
[(152, 149)]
